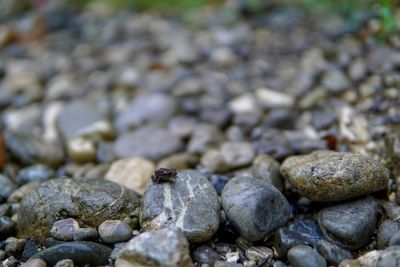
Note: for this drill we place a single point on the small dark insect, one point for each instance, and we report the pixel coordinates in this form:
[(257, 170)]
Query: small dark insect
[(163, 175)]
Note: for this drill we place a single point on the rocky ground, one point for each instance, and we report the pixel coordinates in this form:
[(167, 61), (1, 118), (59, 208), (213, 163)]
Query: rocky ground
[(232, 139)]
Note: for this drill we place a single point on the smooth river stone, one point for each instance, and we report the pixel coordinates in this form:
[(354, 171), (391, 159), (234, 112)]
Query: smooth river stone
[(90, 203), (255, 207), (334, 176), (188, 202)]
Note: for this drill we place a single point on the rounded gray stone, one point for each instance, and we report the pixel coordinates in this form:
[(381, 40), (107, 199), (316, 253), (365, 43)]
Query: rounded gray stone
[(305, 256), (395, 239), (188, 202), (254, 207), (334, 176), (205, 254), (85, 234), (90, 203), (114, 231), (33, 173), (65, 229), (385, 231)]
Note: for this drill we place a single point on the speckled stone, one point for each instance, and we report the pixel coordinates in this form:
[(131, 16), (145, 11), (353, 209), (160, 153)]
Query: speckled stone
[(90, 203), (188, 202), (255, 207), (333, 176), (166, 247)]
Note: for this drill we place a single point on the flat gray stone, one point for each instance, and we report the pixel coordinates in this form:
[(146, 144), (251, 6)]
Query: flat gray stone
[(188, 202), (305, 256), (255, 207), (333, 176)]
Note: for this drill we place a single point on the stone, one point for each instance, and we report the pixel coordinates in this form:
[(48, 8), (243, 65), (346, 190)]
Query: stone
[(188, 202), (335, 81), (146, 108), (385, 231), (34, 263), (22, 191), (226, 264), (205, 254), (133, 173), (259, 254), (65, 229), (30, 249), (80, 252), (305, 256), (82, 118), (81, 150), (33, 173), (114, 231), (333, 254), (299, 232), (165, 247), (14, 246), (269, 208), (390, 257), (7, 187), (179, 161), (85, 234), (333, 176), (267, 168), (204, 136), (7, 227), (214, 161), (395, 239), (65, 263), (268, 98), (237, 154), (31, 149), (90, 203), (334, 223), (150, 142)]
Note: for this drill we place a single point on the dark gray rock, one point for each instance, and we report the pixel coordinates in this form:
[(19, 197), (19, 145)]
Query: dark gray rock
[(65, 229), (205, 254), (31, 149), (305, 256), (7, 186), (150, 142), (333, 176), (334, 223), (33, 173), (395, 239), (81, 252), (90, 203), (166, 247), (300, 232), (385, 231), (333, 253), (114, 231), (188, 202), (86, 234), (7, 227), (154, 108), (255, 207)]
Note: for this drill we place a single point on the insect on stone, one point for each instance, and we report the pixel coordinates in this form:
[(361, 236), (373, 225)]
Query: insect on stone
[(163, 175)]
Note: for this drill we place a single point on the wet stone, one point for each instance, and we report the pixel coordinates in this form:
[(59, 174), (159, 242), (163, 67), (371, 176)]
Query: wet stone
[(205, 254), (166, 247), (385, 232), (65, 229), (253, 224), (33, 173), (152, 143), (305, 256), (188, 202), (90, 203), (114, 231), (334, 223), (334, 176)]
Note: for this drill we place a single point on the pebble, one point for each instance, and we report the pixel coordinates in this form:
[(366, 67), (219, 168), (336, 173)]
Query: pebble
[(204, 136), (65, 263), (254, 224), (33, 173), (114, 231), (23, 191), (226, 264), (395, 239), (133, 173), (268, 169), (205, 254), (386, 231), (14, 246), (258, 254), (237, 154), (335, 81), (299, 232), (305, 256), (31, 149), (150, 142), (81, 150), (333, 176), (268, 98), (7, 187), (179, 161), (390, 257), (146, 108), (30, 249), (34, 263), (80, 252), (333, 253), (7, 227), (90, 203), (189, 203), (334, 223), (166, 247), (65, 229), (85, 234)]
